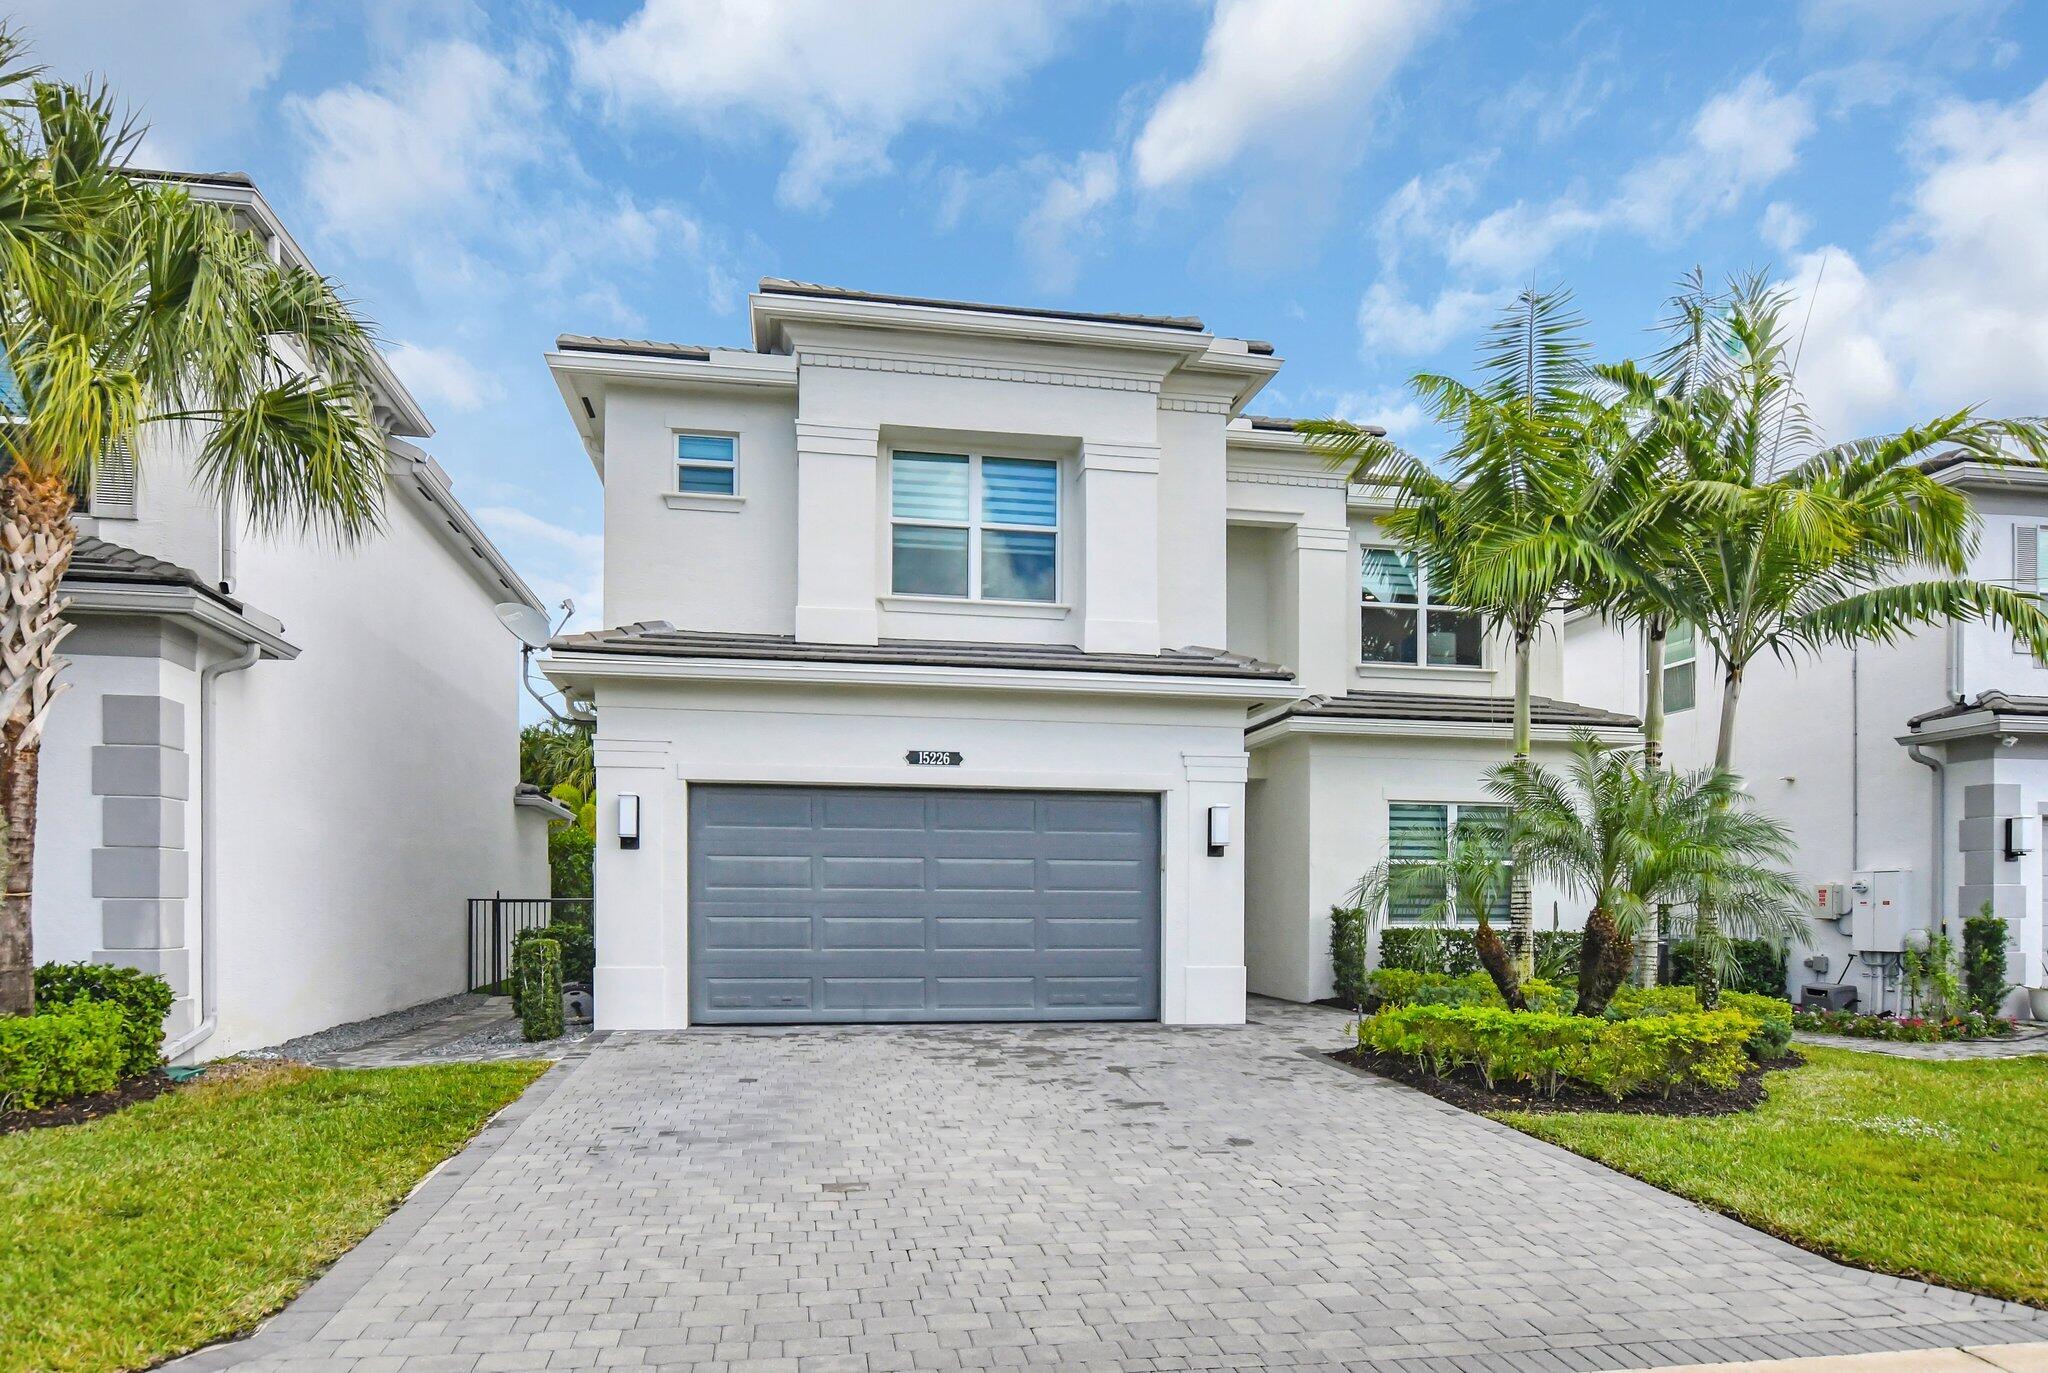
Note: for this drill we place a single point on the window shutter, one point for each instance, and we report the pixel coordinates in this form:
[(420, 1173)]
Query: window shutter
[(2026, 569), (113, 484)]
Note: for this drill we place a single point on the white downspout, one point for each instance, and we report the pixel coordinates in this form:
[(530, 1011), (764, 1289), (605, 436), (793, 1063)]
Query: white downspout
[(209, 996)]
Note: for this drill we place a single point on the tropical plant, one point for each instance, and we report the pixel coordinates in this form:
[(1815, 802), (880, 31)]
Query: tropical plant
[(1984, 968), (554, 754), (1628, 837), (128, 307), (1466, 881), (1511, 527), (1784, 544)]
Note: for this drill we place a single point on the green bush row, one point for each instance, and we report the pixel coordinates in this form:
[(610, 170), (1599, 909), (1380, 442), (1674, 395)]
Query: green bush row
[(1909, 1029), (1759, 966), (144, 999), (62, 1051), (1549, 1052), (1771, 1014), (1403, 987)]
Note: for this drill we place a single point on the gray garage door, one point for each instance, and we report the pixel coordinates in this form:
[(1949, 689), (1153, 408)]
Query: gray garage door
[(857, 904)]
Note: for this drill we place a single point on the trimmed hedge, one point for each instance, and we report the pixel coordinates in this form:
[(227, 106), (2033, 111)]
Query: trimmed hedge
[(70, 1049), (579, 949), (1759, 966), (144, 998), (1388, 988), (1984, 962), (1773, 1015), (1348, 929), (572, 858), (1438, 949), (1549, 1052), (1401, 987), (537, 972)]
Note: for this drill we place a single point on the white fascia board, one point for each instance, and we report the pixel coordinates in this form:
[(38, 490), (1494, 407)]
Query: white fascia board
[(421, 480), (768, 310), (1231, 365), (2022, 476), (1270, 730), (579, 375), (547, 805), (565, 669), (202, 613), (1975, 724)]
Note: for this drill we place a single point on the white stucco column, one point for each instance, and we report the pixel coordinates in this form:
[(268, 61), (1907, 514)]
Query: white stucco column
[(1208, 946), (640, 918), (1326, 647), (1120, 555), (836, 523)]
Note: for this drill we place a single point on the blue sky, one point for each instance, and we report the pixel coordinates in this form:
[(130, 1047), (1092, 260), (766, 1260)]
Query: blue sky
[(1360, 181)]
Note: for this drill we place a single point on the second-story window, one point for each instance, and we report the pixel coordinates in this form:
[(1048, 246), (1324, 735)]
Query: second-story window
[(1399, 623), (1681, 668), (971, 526), (707, 464)]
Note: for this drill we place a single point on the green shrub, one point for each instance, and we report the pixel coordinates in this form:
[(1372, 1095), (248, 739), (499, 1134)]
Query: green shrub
[(1403, 987), (579, 951), (144, 998), (1557, 955), (1348, 928), (537, 971), (70, 1049), (1429, 949), (572, 853), (1908, 1029), (1984, 983), (1549, 1051), (1772, 1016), (1759, 966)]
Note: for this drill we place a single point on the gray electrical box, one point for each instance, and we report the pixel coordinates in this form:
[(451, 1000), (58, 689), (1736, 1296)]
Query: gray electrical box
[(1877, 911)]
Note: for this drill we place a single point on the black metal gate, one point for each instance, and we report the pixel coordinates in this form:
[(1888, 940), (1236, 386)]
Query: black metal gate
[(495, 921)]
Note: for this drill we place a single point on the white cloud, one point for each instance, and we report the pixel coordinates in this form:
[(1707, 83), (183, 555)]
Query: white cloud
[(1426, 207), (1268, 68), (444, 376), (1511, 241), (1783, 226), (191, 72), (1388, 322), (1952, 310), (1886, 24), (1741, 140), (841, 81), (1066, 217)]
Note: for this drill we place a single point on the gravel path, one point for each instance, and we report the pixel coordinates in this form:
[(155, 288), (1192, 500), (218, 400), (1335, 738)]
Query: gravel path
[(467, 1026)]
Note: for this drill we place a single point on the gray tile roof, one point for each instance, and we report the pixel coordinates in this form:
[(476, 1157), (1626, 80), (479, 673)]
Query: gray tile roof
[(631, 347), (1996, 702), (782, 286), (98, 561), (657, 638), (1452, 709)]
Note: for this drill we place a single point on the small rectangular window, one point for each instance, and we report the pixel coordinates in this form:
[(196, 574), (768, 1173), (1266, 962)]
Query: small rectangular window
[(967, 526), (707, 464), (1681, 668), (1420, 833), (1399, 624)]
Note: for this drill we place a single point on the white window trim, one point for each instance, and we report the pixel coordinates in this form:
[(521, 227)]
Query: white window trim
[(678, 499), (1671, 664), (975, 525), (1422, 607), (1459, 921)]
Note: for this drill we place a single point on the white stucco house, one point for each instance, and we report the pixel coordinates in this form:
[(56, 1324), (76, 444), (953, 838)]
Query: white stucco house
[(281, 768), (983, 662), (1914, 775)]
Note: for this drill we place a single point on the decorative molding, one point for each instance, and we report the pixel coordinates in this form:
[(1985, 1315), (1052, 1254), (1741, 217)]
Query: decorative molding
[(1141, 458), (1216, 767), (1256, 477), (977, 371), (1193, 406)]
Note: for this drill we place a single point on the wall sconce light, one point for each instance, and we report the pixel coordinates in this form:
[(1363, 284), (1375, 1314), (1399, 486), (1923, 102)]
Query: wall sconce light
[(1219, 830), (2015, 840), (629, 821)]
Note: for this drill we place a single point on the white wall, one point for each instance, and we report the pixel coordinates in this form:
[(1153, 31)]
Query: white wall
[(654, 739)]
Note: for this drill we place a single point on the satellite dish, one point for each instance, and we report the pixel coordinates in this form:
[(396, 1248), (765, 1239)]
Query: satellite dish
[(528, 625)]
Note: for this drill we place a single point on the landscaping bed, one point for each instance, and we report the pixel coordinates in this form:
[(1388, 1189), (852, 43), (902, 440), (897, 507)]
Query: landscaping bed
[(1905, 1029), (92, 1106), (1928, 1170), (188, 1218), (1465, 1089)]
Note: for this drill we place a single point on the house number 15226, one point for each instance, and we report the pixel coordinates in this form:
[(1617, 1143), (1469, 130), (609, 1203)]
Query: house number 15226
[(932, 758)]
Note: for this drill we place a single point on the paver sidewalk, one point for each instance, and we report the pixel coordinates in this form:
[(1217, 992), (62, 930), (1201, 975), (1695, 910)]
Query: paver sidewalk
[(1114, 1197)]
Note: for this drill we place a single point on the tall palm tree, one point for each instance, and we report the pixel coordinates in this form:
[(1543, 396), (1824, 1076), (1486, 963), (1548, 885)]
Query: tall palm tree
[(1510, 528), (1464, 882), (1790, 544), (127, 307), (1631, 837)]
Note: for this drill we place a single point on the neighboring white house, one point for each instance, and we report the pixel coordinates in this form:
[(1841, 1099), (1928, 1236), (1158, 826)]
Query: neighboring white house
[(281, 768), (1914, 774), (977, 662)]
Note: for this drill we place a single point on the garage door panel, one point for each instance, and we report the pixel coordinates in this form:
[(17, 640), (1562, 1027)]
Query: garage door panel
[(991, 905)]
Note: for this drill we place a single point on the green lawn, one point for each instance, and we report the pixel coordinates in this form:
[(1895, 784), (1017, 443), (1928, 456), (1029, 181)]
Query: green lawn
[(190, 1217), (1929, 1170)]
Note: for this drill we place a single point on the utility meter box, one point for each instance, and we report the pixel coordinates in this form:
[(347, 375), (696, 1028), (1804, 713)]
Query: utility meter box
[(1831, 900), (1877, 911)]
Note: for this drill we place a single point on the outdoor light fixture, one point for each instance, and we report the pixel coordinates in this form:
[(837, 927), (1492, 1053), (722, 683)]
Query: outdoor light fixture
[(1219, 830), (2015, 839), (629, 821)]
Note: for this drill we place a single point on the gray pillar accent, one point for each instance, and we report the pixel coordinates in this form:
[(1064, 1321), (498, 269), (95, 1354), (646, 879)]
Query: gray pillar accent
[(1988, 878), (141, 873)]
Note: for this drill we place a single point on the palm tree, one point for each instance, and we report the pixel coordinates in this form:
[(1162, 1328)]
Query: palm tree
[(1466, 881), (1512, 528), (1789, 545), (1630, 837), (128, 307), (552, 754)]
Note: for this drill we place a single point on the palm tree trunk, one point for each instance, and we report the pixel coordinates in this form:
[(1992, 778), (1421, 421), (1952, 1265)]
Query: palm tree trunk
[(1706, 924), (1521, 911), (1655, 632), (1603, 963), (36, 538)]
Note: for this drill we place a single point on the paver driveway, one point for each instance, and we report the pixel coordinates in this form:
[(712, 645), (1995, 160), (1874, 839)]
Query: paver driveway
[(1107, 1196)]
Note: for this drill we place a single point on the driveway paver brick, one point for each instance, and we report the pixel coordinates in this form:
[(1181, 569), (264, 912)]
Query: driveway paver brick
[(1055, 1196)]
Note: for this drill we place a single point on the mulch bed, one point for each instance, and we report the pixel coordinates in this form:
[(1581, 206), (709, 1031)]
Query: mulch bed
[(1466, 1090), (80, 1109)]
